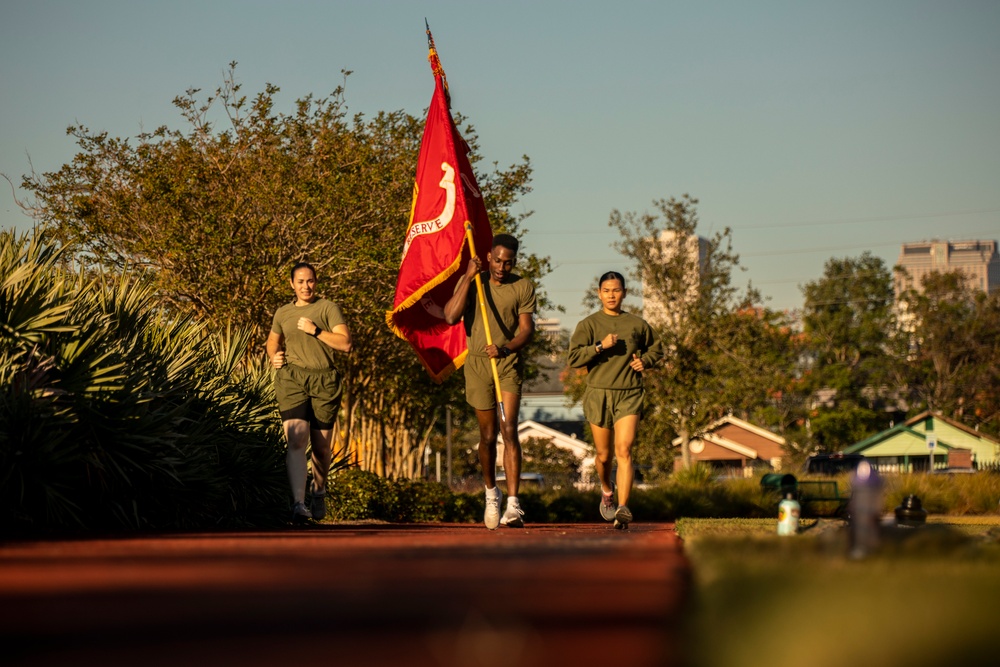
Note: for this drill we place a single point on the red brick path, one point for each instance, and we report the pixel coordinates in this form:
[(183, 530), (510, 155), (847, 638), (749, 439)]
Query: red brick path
[(400, 595)]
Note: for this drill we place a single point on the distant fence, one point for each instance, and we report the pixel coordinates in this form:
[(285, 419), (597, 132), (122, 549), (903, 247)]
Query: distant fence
[(896, 468)]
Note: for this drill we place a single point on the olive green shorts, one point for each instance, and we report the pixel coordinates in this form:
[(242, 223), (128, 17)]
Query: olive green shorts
[(604, 407), (479, 388), (312, 395)]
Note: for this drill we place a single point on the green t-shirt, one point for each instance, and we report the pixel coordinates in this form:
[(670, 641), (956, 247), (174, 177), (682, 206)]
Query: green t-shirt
[(512, 298), (610, 369), (301, 349)]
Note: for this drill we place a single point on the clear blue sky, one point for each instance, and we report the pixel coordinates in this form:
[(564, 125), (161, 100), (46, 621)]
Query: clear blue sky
[(812, 129)]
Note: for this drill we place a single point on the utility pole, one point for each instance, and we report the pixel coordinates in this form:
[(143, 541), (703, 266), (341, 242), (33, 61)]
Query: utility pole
[(447, 430)]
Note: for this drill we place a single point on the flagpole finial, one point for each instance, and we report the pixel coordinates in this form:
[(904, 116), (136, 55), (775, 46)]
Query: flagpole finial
[(435, 61), (432, 55)]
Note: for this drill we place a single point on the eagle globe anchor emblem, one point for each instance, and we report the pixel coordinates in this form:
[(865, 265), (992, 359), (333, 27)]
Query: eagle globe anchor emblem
[(432, 226)]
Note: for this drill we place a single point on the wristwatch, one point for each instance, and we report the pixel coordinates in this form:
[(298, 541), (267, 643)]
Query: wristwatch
[(600, 348), (317, 332)]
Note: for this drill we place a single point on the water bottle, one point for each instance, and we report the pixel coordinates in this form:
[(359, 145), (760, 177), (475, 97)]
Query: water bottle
[(865, 507), (788, 516)]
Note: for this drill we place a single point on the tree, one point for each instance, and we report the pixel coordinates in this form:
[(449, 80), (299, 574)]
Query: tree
[(216, 214), (983, 410), (786, 409), (559, 466), (848, 322), (949, 351), (719, 341)]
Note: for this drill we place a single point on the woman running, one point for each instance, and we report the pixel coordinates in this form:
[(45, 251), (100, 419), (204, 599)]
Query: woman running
[(615, 347)]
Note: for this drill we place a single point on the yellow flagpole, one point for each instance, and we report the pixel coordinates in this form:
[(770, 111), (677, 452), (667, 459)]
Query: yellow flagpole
[(486, 324)]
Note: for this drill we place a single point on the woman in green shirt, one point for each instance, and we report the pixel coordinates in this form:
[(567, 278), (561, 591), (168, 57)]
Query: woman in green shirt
[(303, 336), (615, 347)]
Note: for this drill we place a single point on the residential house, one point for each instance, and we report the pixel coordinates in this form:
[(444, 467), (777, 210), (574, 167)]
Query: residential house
[(547, 413), (906, 447), (581, 449), (735, 447)]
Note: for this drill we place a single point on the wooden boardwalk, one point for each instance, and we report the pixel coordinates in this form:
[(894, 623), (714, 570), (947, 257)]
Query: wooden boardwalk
[(355, 595)]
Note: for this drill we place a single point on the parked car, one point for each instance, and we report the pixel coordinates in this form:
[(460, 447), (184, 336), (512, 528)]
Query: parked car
[(832, 464), (530, 481)]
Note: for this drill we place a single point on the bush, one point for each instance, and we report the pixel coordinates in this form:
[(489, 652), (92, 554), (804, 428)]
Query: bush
[(535, 508), (420, 501), (465, 508), (356, 495), (113, 415), (572, 506), (657, 503)]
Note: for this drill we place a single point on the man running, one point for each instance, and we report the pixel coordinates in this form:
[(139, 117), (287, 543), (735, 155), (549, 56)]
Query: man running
[(510, 306), (303, 336)]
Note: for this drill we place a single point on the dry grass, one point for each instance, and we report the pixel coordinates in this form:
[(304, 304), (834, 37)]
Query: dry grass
[(928, 597), (977, 493), (953, 495)]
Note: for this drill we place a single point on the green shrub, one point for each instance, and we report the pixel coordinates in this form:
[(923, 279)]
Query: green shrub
[(656, 503), (114, 415), (533, 505), (746, 498), (697, 475), (573, 506), (420, 501), (465, 508), (355, 495)]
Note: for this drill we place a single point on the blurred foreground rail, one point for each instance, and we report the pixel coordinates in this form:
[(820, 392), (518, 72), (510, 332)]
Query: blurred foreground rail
[(370, 594)]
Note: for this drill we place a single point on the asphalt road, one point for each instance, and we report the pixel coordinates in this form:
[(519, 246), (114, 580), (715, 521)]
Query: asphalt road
[(372, 594)]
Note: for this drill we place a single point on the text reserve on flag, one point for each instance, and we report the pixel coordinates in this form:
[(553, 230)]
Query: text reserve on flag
[(444, 218)]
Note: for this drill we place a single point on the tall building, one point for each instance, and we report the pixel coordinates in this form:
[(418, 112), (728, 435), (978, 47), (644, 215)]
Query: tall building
[(978, 260), (696, 248), (547, 326)]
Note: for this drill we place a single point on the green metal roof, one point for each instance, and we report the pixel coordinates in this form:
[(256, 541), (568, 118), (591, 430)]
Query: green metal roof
[(902, 433), (910, 438)]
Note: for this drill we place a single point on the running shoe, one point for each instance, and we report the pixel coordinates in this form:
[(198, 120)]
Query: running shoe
[(300, 513), (492, 516), (318, 504), (513, 517), (623, 517), (608, 504)]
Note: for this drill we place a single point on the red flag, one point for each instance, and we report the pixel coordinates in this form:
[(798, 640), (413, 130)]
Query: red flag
[(445, 197)]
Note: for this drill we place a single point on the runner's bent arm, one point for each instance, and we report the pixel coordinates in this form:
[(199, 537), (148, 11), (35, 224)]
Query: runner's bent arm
[(525, 328), (338, 339), (582, 346), (455, 307), (274, 345)]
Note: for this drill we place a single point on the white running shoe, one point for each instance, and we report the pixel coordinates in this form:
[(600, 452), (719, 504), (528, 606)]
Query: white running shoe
[(513, 517), (492, 516)]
